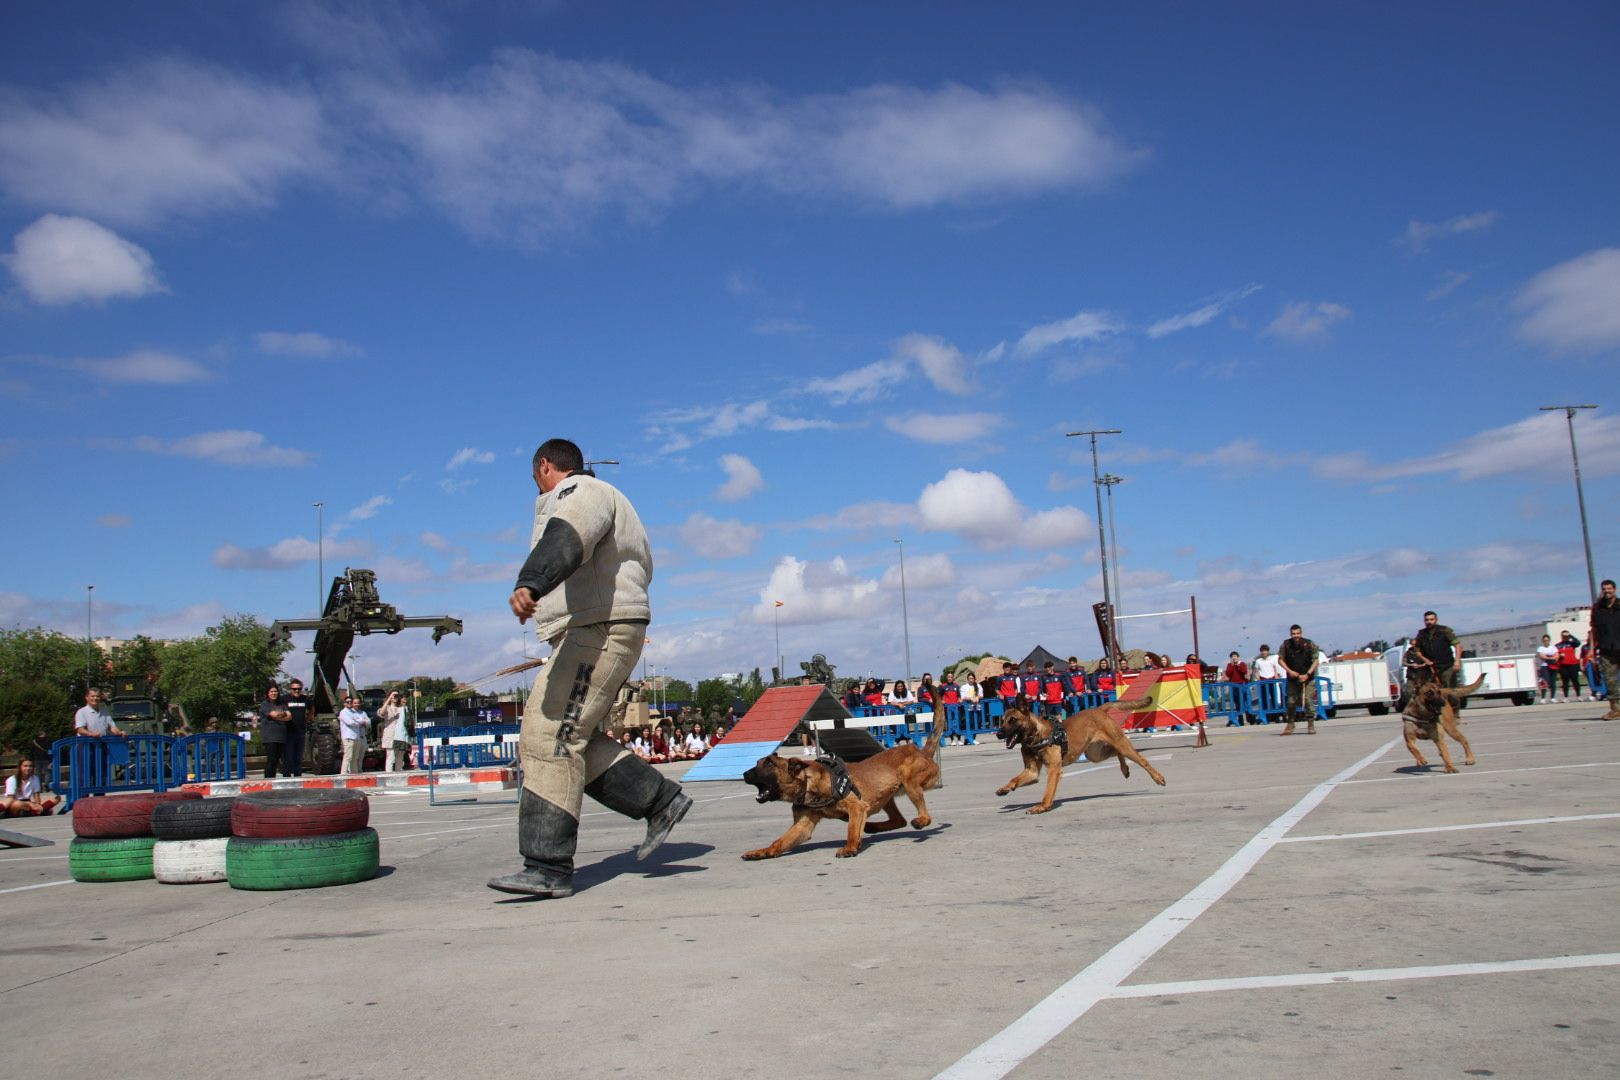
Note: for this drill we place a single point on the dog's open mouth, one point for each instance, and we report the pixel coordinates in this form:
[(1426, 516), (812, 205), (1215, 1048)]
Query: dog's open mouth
[(1012, 738)]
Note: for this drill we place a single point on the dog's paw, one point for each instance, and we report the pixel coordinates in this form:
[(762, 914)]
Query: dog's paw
[(848, 853), (760, 853), (1003, 790), (1159, 780), (1451, 768), (921, 822), (1037, 810)]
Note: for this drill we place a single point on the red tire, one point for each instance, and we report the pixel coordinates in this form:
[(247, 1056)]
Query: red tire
[(299, 813), (108, 817)]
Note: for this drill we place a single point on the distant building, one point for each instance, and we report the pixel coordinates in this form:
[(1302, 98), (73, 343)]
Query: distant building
[(1515, 640)]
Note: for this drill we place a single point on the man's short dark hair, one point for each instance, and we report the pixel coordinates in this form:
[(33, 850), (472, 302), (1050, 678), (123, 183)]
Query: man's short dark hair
[(562, 454), (1291, 629), (1606, 581), (1426, 614)]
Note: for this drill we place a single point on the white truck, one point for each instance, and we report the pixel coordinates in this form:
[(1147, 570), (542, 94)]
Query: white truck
[(1512, 677), (1366, 683)]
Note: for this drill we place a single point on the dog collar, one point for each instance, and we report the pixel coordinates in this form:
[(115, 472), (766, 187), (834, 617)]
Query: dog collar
[(842, 784), (1058, 738)]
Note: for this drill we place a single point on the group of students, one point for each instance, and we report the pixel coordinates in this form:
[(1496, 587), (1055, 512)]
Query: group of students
[(1049, 686), (662, 744)]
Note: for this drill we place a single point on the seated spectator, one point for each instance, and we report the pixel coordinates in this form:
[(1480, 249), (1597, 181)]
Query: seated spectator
[(695, 745), (641, 743), (657, 747), (22, 797)]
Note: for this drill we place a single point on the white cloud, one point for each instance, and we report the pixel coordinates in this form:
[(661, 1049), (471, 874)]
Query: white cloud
[(1449, 282), (1538, 443), (436, 542), (292, 551), (165, 138), (63, 260), (816, 593), (469, 454), (1419, 233), (942, 364), (114, 521), (1202, 315), (225, 448), (302, 344), (368, 509), (980, 507), (944, 428), (1061, 526), (930, 571), (1079, 328), (863, 384), (711, 538), (1306, 321), (1575, 305), (742, 478), (143, 366)]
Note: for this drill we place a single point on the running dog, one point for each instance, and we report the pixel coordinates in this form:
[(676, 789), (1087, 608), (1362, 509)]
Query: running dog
[(828, 788), (1052, 745), (1431, 714)]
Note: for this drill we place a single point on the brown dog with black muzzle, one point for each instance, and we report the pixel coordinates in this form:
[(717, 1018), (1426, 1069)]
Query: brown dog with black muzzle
[(1431, 715), (1051, 745), (828, 788)]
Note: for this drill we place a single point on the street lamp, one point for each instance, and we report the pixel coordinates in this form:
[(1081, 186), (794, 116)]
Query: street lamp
[(776, 621), (1580, 495), (1102, 545), (905, 615), (89, 635), (320, 559), (1108, 480)]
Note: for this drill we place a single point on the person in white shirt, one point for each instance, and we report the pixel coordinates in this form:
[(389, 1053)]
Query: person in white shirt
[(696, 745), (1265, 666), (899, 695), (393, 739), (353, 725), (22, 797), (1546, 669), (92, 721)]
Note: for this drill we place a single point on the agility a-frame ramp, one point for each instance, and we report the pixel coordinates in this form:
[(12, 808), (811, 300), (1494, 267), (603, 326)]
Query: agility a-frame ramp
[(778, 713)]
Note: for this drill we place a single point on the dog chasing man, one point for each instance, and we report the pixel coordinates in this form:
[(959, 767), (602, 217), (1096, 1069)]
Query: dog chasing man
[(585, 585), (1299, 657)]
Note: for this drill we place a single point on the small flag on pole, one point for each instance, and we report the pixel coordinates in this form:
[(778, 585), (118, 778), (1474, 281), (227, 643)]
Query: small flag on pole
[(779, 603)]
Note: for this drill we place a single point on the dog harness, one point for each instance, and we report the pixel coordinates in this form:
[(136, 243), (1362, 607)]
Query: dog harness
[(842, 785), (1059, 738)]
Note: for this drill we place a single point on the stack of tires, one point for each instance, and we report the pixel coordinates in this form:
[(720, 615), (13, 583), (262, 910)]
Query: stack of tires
[(302, 839), (112, 835), (191, 838)]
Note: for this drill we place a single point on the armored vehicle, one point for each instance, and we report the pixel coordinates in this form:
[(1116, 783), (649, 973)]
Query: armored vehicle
[(136, 706)]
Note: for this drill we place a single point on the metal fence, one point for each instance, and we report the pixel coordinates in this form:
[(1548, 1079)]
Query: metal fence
[(83, 766)]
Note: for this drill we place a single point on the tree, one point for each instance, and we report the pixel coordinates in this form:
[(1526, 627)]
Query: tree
[(678, 690), (714, 695), (140, 655), (30, 706), (223, 672), (751, 689), (434, 689), (52, 658)]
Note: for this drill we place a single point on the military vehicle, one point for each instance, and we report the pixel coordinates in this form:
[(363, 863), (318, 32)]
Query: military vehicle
[(136, 706), (352, 607)]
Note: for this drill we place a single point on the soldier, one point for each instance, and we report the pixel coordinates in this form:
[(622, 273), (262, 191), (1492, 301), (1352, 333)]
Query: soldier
[(1438, 644), (588, 535), (1299, 658), (1603, 635)]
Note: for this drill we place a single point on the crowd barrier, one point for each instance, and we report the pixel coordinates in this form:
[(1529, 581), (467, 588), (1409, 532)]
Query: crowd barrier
[(82, 766), (477, 747), (1262, 702), (966, 722)]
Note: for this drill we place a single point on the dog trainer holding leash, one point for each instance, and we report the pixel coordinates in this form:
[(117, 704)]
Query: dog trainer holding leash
[(585, 585)]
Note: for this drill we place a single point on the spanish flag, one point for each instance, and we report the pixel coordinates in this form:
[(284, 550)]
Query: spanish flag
[(779, 603), (1177, 696)]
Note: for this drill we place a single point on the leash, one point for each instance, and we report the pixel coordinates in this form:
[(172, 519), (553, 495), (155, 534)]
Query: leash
[(842, 784)]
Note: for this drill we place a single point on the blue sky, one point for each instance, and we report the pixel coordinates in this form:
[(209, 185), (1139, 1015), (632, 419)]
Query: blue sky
[(820, 279)]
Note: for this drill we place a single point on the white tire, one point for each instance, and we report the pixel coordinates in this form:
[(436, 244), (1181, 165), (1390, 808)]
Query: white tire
[(189, 862)]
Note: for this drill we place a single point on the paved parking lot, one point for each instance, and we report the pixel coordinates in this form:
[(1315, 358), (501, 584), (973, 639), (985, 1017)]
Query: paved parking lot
[(1284, 907)]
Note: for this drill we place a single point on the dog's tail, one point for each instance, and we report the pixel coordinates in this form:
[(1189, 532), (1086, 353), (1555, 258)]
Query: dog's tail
[(1136, 704), (931, 746)]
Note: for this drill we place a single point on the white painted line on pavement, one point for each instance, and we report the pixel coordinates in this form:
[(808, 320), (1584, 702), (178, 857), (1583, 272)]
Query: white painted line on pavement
[(1448, 828), (30, 858), (1483, 772), (1006, 1050), (41, 885), (1330, 978)]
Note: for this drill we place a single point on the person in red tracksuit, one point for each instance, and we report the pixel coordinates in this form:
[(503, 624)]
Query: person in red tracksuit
[(1569, 666), (1007, 685), (949, 692), (1053, 687), (1030, 682)]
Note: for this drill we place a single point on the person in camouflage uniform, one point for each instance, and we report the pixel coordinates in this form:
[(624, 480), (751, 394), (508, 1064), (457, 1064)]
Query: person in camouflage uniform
[(1299, 657)]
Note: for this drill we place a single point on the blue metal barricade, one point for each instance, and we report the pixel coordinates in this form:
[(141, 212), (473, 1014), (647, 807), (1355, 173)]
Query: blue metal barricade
[(1226, 699), (479, 746), (109, 764), (208, 756)]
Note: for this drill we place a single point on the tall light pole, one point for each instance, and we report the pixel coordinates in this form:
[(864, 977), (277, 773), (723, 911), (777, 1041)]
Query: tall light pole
[(89, 635), (320, 559), (1580, 495), (1102, 545), (1108, 480), (905, 615), (776, 620)]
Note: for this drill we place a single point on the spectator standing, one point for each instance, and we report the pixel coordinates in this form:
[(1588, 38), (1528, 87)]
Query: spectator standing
[(1595, 686), (1569, 666), (873, 694), (925, 690), (1007, 685), (972, 693), (1547, 669), (1052, 689), (1299, 658), (1105, 677), (1029, 683), (354, 724), (1438, 644), (273, 717), (292, 758), (949, 692), (900, 694), (852, 697), (22, 796), (1236, 670), (92, 721), (1604, 637), (394, 739)]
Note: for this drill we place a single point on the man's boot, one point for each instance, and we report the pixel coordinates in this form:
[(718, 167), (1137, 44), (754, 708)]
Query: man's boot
[(1310, 726), (1289, 730), (547, 836), (635, 789)]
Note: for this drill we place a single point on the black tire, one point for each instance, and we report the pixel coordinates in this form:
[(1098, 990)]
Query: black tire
[(304, 862), (1378, 709), (277, 814), (123, 859), (326, 753), (197, 819)]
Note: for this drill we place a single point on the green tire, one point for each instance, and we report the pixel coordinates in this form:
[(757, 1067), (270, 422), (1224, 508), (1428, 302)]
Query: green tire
[(110, 860), (301, 862)]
